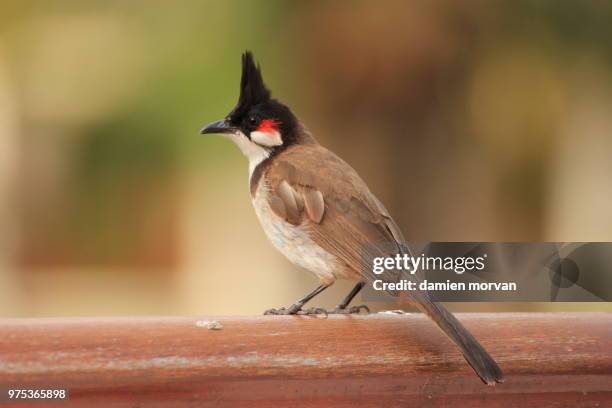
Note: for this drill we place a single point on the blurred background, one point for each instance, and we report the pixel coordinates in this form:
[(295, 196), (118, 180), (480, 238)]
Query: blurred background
[(471, 121)]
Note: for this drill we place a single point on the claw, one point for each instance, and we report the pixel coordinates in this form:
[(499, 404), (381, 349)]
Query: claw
[(351, 310), (358, 309)]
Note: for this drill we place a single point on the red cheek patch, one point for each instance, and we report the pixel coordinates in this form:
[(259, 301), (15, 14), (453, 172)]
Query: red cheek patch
[(268, 126)]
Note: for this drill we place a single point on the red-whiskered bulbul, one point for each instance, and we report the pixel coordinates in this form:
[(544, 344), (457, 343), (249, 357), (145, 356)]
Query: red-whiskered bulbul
[(318, 212)]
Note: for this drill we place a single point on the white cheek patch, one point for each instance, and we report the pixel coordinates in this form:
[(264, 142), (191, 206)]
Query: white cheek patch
[(254, 152), (267, 138)]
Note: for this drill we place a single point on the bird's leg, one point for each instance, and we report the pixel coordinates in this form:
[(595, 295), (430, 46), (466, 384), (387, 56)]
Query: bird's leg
[(351, 295), (297, 306), (342, 307)]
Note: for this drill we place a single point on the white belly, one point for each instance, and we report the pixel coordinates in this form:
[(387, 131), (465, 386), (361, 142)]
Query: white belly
[(293, 242)]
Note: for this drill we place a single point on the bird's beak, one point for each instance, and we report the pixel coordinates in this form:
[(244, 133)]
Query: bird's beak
[(220, 126)]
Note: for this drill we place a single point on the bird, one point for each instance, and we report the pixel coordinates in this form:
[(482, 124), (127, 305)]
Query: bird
[(318, 212)]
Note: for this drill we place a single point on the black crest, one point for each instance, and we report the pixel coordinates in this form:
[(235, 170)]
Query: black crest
[(253, 91)]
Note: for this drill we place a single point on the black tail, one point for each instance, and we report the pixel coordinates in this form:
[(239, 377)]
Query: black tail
[(482, 363)]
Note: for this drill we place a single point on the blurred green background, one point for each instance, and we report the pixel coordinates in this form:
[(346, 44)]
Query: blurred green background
[(471, 121)]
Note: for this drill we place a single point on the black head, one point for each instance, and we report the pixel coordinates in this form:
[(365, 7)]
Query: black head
[(257, 116)]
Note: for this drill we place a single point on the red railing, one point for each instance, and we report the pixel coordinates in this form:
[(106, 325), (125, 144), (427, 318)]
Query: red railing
[(549, 360)]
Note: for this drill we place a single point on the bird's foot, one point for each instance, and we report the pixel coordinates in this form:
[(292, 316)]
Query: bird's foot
[(284, 311), (336, 310), (296, 309)]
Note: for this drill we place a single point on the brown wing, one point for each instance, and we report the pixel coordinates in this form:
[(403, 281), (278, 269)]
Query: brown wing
[(338, 210)]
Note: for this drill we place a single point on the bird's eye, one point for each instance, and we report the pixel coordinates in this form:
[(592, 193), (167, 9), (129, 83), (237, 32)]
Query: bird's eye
[(253, 120)]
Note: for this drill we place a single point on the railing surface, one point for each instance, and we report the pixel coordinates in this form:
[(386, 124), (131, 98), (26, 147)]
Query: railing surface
[(549, 360)]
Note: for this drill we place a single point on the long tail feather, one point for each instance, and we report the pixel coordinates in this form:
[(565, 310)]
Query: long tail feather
[(482, 363)]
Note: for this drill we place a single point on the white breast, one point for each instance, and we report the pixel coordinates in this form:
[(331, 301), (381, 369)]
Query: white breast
[(293, 242)]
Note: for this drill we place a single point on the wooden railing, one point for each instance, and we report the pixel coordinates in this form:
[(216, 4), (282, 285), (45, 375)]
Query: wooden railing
[(549, 360)]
